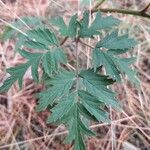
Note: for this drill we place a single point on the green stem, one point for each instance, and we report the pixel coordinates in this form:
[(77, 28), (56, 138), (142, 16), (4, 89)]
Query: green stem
[(123, 11)]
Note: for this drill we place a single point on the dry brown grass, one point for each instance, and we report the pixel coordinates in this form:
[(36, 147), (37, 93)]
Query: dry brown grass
[(22, 128)]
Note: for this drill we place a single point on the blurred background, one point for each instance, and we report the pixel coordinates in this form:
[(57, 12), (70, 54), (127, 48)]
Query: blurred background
[(22, 128)]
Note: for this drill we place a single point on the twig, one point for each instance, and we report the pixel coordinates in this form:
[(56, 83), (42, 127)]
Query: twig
[(123, 11), (145, 9), (86, 44), (64, 40), (98, 4)]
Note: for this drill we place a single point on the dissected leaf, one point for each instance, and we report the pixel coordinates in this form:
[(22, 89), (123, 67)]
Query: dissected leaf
[(99, 23), (7, 84), (70, 30), (18, 72), (61, 86), (77, 129), (52, 59), (34, 61), (113, 41), (92, 105), (124, 67), (62, 108), (114, 66), (101, 58), (97, 85)]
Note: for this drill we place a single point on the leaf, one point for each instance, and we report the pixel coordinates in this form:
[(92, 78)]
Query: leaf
[(34, 61), (7, 84), (35, 45), (97, 85), (43, 36), (98, 23), (18, 72), (113, 41), (124, 67), (70, 30), (77, 129), (52, 59), (114, 66), (101, 58), (41, 39), (92, 105), (116, 45), (62, 108), (61, 86)]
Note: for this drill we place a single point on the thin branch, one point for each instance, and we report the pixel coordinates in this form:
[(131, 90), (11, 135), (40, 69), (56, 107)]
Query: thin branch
[(145, 9), (123, 11), (64, 40), (98, 4), (86, 44)]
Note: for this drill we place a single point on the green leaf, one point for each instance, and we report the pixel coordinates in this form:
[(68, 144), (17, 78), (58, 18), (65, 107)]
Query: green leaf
[(85, 2), (116, 45), (97, 85), (114, 66), (34, 61), (70, 30), (52, 59), (77, 129), (101, 58), (7, 84), (18, 72), (92, 105), (124, 67), (62, 108), (98, 24), (35, 45), (61, 85), (40, 38), (43, 36), (113, 41)]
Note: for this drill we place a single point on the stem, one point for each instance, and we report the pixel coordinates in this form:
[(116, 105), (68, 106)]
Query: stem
[(98, 4), (64, 40), (77, 63), (86, 44), (123, 11), (145, 9)]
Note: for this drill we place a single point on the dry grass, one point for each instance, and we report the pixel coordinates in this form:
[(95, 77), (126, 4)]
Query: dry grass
[(22, 128)]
